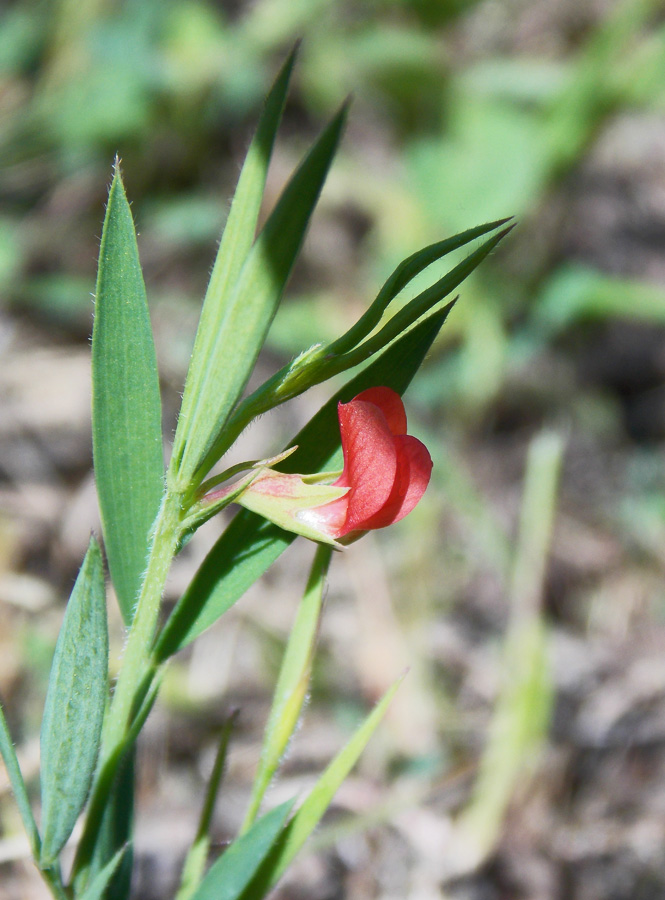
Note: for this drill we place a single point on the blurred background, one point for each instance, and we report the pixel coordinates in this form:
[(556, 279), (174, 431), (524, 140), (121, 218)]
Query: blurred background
[(525, 754)]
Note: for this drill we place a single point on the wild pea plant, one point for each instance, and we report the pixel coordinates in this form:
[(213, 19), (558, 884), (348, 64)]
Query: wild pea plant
[(352, 468)]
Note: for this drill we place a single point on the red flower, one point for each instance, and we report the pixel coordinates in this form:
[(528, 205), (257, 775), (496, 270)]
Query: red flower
[(386, 470)]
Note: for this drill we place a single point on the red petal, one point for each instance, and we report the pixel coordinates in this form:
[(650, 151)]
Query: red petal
[(390, 404), (370, 461), (414, 467)]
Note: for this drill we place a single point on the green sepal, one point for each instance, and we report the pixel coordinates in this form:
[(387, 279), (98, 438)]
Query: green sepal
[(285, 500)]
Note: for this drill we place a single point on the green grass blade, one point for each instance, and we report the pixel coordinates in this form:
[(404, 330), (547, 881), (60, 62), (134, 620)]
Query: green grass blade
[(74, 708), (194, 866), (250, 544), (522, 709), (293, 681), (237, 240), (126, 408), (15, 776), (233, 871), (251, 308), (97, 888), (317, 802)]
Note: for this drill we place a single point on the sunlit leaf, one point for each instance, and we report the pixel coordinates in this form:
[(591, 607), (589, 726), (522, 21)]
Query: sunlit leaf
[(74, 708), (317, 802), (237, 240), (233, 871), (126, 407), (293, 681)]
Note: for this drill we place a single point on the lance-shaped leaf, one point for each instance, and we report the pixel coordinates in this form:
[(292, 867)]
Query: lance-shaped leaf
[(317, 802), (74, 709), (98, 887), (250, 309), (233, 871), (293, 682), (114, 835), (237, 240), (126, 408), (195, 861), (250, 544), (321, 362), (15, 776)]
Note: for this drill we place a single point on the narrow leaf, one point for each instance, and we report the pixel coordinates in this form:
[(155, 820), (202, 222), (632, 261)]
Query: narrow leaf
[(251, 308), (74, 708), (193, 868), (405, 272), (522, 710), (237, 239), (312, 810), (15, 776), (250, 544), (422, 303), (322, 362), (97, 888), (114, 835), (126, 409), (233, 871), (293, 681)]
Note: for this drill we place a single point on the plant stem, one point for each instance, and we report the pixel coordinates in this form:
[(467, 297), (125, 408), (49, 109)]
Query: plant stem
[(52, 878), (134, 676), (136, 657)]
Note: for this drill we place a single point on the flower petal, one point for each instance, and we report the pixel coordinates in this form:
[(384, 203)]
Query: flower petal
[(414, 468), (390, 404), (370, 461)]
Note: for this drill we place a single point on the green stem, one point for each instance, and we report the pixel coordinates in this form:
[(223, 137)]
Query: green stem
[(292, 683), (135, 669), (54, 881)]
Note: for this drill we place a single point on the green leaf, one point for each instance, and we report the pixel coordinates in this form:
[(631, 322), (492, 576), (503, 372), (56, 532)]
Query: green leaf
[(126, 409), (114, 835), (237, 240), (408, 269), (74, 708), (194, 866), (522, 710), (318, 800), (97, 888), (321, 362), (233, 871), (15, 776), (250, 544), (250, 308), (293, 681)]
